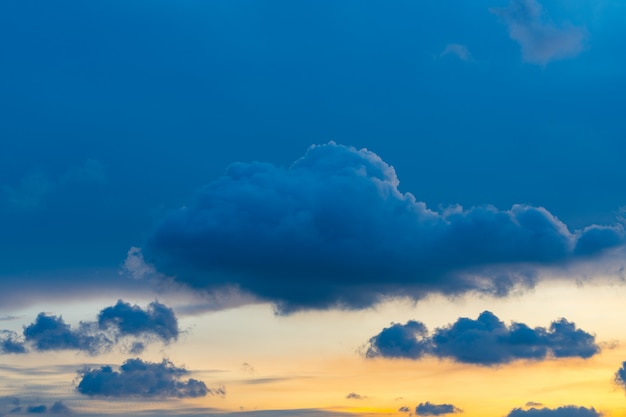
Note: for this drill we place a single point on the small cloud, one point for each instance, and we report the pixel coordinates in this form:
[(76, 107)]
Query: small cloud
[(457, 50), (541, 40), (620, 376), (50, 332), (567, 411), (29, 192), (429, 409), (355, 396), (135, 266), (60, 408), (127, 320), (36, 409), (485, 341), (247, 368), (404, 409), (137, 378), (533, 404), (10, 343)]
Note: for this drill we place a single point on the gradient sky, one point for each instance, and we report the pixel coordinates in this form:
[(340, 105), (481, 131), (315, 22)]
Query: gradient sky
[(312, 208)]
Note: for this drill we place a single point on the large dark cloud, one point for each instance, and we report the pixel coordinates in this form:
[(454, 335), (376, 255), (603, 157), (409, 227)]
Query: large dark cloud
[(121, 321), (333, 230), (429, 409), (137, 378), (484, 341), (566, 411), (157, 319)]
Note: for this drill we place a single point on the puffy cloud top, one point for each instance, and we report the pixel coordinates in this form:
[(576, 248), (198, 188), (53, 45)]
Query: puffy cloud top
[(333, 230), (429, 409), (157, 319), (484, 341)]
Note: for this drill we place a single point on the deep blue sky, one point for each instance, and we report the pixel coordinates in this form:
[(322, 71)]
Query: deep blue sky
[(113, 112)]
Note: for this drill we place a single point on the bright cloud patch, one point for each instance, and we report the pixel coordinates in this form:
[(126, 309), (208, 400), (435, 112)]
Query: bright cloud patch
[(333, 230), (484, 341), (137, 378)]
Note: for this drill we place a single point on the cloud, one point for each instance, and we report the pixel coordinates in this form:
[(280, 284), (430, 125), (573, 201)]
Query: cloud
[(620, 376), (355, 396), (137, 378), (115, 324), (533, 404), (567, 411), (485, 341), (50, 332), (404, 409), (10, 343), (36, 409), (428, 409), (135, 266), (541, 40), (458, 50), (60, 408), (157, 320), (334, 231)]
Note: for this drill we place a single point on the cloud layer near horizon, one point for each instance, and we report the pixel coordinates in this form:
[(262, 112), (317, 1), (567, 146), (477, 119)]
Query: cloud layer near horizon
[(485, 341), (334, 230)]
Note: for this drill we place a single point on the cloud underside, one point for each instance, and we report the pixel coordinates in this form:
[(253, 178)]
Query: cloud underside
[(485, 341), (137, 378), (541, 40), (333, 230)]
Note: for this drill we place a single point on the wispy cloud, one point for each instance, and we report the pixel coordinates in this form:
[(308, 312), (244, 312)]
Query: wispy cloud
[(541, 39), (457, 50)]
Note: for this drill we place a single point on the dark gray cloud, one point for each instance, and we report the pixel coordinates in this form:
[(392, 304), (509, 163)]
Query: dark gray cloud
[(429, 409), (137, 378), (566, 411), (60, 408), (404, 409), (541, 40), (125, 319), (484, 341), (115, 323), (336, 221), (355, 396)]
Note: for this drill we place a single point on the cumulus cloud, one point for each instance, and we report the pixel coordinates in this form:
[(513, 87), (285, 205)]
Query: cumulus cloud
[(541, 40), (50, 332), (457, 50), (137, 378), (485, 341), (333, 230), (620, 376), (567, 411), (156, 320), (429, 409), (115, 324)]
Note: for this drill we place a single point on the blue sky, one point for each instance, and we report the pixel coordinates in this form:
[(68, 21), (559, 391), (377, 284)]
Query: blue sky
[(120, 123)]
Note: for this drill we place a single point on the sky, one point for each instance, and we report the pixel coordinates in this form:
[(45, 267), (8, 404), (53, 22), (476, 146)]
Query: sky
[(312, 208)]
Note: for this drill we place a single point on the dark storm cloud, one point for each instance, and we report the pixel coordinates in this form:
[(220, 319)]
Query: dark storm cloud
[(157, 319), (137, 378), (485, 341), (428, 409), (541, 40), (566, 411), (333, 230), (115, 325)]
